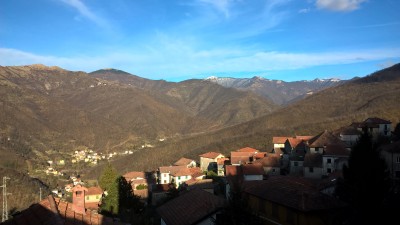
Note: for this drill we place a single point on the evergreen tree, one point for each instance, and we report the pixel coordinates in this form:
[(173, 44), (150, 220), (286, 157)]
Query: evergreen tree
[(108, 182), (110, 202), (108, 177), (365, 182)]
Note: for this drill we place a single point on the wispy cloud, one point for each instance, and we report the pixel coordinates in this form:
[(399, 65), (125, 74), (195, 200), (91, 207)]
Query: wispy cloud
[(305, 10), (339, 5), (87, 13), (166, 61), (220, 5)]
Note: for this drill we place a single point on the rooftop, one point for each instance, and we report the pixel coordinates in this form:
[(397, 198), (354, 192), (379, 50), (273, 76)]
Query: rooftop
[(210, 155), (56, 212), (323, 139), (271, 160), (183, 162), (294, 192), (190, 207)]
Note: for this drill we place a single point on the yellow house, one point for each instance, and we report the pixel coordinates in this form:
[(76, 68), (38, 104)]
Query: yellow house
[(93, 197), (290, 200)]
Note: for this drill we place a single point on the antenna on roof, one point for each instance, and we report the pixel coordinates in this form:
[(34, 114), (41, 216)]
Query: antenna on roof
[(4, 216)]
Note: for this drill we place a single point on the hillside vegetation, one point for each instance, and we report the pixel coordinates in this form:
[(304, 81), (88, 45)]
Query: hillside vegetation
[(376, 95)]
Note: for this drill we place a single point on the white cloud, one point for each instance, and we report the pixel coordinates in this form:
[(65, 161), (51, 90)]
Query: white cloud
[(86, 12), (339, 5)]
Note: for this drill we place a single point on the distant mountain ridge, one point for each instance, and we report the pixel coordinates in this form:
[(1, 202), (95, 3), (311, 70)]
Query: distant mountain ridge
[(278, 91)]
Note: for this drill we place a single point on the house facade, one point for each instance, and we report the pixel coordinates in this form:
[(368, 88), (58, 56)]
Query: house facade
[(208, 161), (312, 167), (271, 164), (391, 154), (334, 158)]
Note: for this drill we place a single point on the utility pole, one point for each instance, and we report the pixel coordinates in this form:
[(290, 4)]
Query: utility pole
[(4, 216)]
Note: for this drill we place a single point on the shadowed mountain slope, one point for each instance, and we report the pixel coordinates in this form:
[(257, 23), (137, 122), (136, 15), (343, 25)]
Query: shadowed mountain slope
[(373, 96)]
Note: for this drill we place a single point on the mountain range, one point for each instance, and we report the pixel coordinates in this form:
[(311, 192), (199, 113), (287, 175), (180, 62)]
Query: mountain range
[(278, 91), (48, 111)]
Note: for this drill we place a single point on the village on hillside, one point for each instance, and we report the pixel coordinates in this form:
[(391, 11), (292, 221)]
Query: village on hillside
[(293, 183)]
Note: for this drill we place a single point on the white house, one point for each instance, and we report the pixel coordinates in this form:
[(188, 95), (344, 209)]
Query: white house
[(163, 173), (208, 161), (312, 167), (375, 126), (334, 158)]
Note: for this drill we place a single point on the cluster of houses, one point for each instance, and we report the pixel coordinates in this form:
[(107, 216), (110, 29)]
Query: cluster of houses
[(88, 156), (293, 183)]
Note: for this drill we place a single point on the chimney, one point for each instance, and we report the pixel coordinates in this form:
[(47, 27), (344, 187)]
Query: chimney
[(78, 199)]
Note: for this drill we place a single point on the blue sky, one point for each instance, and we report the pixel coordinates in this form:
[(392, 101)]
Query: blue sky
[(182, 39)]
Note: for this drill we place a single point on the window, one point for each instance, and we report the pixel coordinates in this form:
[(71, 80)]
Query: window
[(328, 160), (164, 175), (398, 159), (329, 170), (97, 196), (273, 170), (296, 163), (311, 169), (316, 149), (87, 197)]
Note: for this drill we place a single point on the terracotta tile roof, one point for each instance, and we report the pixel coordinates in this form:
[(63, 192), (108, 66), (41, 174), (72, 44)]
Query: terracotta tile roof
[(270, 161), (190, 207), (297, 193), (183, 162), (54, 211), (94, 191), (241, 157), (336, 150), (313, 160), (196, 172), (247, 149), (304, 138), (391, 148), (323, 139), (252, 169), (279, 140), (134, 175), (170, 169), (294, 142), (210, 155), (260, 155), (182, 172)]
